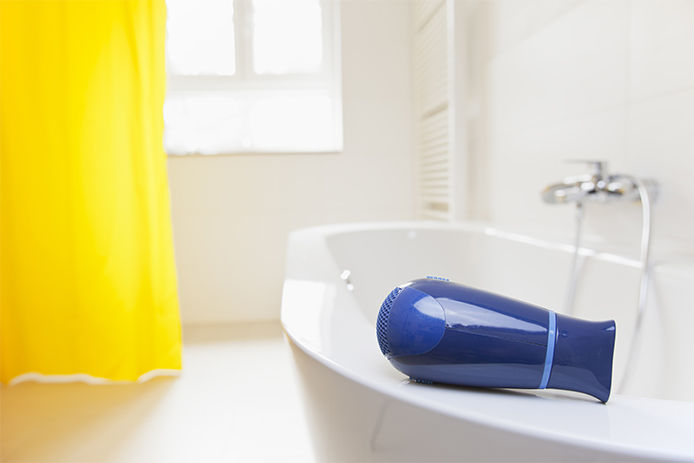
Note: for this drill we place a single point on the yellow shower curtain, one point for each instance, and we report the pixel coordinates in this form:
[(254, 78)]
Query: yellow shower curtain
[(87, 276)]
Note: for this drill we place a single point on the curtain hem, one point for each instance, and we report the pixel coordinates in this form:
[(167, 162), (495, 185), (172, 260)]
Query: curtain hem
[(89, 379)]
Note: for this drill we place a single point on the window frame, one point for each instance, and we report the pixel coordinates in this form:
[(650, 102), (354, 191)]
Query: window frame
[(328, 78)]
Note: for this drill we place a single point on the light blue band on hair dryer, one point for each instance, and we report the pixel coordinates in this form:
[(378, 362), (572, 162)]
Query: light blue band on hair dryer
[(549, 356)]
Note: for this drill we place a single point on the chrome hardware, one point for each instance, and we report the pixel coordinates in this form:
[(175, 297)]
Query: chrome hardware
[(344, 276), (597, 185)]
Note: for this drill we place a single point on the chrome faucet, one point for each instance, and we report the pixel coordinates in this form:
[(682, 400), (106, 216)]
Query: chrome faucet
[(596, 186)]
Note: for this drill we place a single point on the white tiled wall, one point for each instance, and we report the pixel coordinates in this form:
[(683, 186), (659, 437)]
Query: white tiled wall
[(551, 80)]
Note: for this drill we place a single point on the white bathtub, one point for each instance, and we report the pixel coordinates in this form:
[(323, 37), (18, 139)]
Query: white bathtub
[(362, 409)]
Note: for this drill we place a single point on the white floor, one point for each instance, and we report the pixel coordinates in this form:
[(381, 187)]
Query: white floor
[(236, 400)]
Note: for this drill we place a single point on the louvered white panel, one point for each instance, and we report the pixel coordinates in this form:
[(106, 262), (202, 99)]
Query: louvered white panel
[(435, 214), (424, 10), (433, 130), (431, 62), (432, 123)]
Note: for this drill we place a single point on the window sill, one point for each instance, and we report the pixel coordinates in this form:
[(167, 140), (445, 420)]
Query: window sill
[(287, 152)]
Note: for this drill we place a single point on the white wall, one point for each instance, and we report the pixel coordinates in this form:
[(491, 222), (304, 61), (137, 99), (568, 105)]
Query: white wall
[(604, 79), (231, 214)]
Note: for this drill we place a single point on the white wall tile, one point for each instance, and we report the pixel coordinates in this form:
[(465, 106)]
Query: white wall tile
[(573, 66), (515, 21), (661, 146), (662, 46)]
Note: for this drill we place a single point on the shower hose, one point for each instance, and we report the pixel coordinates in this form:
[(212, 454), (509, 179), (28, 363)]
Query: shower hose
[(645, 250)]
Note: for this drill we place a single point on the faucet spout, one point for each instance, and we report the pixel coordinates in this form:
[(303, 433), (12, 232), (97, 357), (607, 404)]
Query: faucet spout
[(567, 191), (596, 186)]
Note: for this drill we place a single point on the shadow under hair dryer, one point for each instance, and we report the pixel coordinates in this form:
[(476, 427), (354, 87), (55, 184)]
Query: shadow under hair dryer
[(436, 331)]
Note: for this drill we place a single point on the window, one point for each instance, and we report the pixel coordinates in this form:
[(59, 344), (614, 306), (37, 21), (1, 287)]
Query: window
[(253, 76)]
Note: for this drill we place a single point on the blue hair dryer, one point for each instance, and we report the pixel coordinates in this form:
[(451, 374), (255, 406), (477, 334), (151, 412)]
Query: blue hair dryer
[(436, 331)]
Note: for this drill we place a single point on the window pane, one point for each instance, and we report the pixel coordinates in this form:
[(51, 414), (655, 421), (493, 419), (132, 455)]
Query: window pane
[(209, 123), (247, 121), (200, 37), (287, 36), (301, 119)]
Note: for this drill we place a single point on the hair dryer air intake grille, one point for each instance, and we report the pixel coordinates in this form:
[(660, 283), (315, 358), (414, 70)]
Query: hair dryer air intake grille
[(382, 322)]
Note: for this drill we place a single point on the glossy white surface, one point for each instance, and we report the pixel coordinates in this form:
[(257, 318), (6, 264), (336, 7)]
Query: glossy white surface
[(362, 408), (236, 400)]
